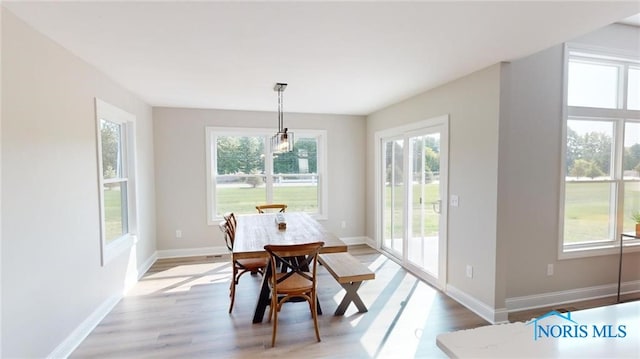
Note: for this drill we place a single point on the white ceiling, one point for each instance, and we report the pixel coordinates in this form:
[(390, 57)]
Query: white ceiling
[(337, 57)]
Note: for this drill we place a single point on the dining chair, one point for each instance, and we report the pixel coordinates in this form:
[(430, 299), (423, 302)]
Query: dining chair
[(298, 282), (231, 219), (239, 266), (263, 208)]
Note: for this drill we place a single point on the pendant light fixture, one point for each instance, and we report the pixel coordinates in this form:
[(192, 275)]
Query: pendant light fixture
[(282, 141)]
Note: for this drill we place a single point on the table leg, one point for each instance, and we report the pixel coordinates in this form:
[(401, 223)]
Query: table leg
[(263, 297), (351, 297)]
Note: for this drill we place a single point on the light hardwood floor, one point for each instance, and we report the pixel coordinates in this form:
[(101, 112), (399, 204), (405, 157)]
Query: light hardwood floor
[(179, 310)]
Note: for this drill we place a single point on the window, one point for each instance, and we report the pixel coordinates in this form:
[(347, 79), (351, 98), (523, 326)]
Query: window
[(115, 163), (602, 150), (243, 172)]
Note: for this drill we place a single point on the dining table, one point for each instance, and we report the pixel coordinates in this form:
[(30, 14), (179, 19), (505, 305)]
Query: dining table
[(254, 231)]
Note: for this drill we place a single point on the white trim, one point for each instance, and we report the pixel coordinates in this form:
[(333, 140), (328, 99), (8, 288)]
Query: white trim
[(192, 252), (516, 304), (371, 243), (73, 340), (211, 132), (493, 316), (147, 265), (351, 241)]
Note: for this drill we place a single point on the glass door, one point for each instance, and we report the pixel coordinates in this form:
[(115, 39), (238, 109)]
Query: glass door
[(413, 200), (424, 212), (393, 196)]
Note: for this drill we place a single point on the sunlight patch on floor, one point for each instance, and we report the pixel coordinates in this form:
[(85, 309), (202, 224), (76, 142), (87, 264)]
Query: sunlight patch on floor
[(183, 278), (397, 330)]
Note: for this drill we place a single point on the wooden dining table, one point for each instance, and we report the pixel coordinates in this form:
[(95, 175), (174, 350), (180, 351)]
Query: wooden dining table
[(254, 231)]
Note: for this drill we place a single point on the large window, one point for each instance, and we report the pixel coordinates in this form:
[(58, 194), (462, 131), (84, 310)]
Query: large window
[(244, 173), (116, 170), (602, 149)]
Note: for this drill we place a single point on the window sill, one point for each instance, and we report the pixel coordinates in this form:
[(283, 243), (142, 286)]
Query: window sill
[(630, 246), (118, 246)]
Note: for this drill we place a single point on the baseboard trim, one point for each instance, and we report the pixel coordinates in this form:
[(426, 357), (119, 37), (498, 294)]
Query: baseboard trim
[(493, 316), (516, 304), (73, 340), (351, 241), (64, 349), (191, 252)]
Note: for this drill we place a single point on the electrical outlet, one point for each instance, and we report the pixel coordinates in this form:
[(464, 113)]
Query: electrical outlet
[(469, 271), (549, 269), (343, 224), (178, 233)]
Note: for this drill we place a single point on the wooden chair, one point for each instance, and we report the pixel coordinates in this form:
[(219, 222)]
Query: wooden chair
[(231, 219), (263, 208), (240, 266), (298, 282)]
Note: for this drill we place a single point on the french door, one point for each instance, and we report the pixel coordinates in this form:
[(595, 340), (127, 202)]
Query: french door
[(413, 187)]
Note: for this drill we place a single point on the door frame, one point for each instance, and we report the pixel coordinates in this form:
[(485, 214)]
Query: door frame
[(442, 123)]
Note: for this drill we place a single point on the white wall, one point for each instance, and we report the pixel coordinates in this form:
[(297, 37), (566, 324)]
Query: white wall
[(472, 103), (52, 279), (530, 176), (181, 177)]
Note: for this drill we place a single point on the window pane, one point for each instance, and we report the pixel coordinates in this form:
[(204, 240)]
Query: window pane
[(632, 150), (111, 138), (115, 210), (588, 212), (240, 168), (592, 84), (239, 193), (589, 150), (633, 89), (240, 155), (296, 176)]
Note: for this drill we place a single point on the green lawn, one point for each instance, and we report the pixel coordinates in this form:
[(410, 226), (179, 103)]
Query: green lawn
[(112, 213), (587, 211), (244, 199), (426, 227), (586, 207)]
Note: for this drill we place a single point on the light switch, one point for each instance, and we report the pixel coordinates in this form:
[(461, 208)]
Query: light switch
[(454, 200)]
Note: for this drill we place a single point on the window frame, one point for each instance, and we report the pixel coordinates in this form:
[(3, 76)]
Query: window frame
[(212, 133), (618, 116), (113, 248)]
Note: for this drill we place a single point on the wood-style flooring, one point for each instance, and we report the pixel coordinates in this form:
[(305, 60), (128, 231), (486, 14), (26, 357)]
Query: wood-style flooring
[(179, 309)]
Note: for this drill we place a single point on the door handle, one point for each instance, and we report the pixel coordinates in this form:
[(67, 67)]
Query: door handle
[(436, 206)]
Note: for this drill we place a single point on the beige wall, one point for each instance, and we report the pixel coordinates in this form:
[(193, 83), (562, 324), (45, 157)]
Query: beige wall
[(504, 163), (180, 140), (52, 279), (472, 103), (530, 177)]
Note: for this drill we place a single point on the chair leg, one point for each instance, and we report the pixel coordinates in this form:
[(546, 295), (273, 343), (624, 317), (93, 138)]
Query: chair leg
[(233, 288), (274, 303), (314, 314)]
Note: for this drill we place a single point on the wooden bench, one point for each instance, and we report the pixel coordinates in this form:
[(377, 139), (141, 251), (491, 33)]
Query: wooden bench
[(350, 273)]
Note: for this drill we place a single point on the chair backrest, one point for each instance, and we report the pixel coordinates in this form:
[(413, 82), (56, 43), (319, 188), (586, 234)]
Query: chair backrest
[(298, 258), (231, 220), (225, 228), (277, 206)]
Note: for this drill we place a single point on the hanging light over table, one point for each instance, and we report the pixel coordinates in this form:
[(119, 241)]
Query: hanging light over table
[(282, 141)]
